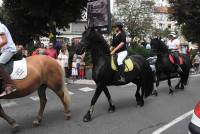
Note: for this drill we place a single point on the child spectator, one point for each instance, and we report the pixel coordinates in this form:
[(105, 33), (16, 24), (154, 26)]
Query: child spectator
[(74, 69)]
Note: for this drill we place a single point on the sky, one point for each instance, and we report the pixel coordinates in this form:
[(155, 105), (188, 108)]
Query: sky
[(111, 5), (1, 2)]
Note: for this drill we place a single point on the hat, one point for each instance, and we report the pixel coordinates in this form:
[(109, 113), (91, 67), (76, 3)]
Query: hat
[(173, 34)]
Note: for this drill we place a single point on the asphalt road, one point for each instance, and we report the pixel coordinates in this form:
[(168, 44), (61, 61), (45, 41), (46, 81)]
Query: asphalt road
[(128, 118)]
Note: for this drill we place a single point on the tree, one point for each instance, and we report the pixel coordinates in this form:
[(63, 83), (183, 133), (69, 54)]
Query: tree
[(137, 17), (29, 19), (187, 13)]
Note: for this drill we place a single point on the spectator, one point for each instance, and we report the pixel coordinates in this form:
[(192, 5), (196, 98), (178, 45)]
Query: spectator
[(74, 69), (51, 52), (82, 69), (196, 62), (41, 50), (63, 59)]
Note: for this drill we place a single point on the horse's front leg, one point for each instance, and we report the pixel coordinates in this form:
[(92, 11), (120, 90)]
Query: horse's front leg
[(12, 122), (169, 84), (97, 93), (112, 106)]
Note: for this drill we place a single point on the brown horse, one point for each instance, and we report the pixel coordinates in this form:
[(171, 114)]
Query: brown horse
[(43, 72)]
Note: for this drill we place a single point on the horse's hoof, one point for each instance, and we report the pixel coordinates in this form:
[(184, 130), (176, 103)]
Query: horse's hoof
[(140, 103), (171, 92), (87, 117), (68, 116), (36, 123), (177, 87), (111, 109), (155, 93), (15, 128)]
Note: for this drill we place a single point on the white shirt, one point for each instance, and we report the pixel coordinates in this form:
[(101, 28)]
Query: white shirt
[(173, 44), (10, 46), (63, 59)]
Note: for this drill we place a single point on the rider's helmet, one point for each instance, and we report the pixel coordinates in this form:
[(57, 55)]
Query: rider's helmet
[(119, 25)]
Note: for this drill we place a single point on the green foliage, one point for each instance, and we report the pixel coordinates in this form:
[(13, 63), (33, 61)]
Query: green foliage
[(186, 12), (137, 17), (29, 19), (136, 49), (162, 33)]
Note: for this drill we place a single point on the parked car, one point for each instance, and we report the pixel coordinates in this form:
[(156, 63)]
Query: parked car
[(194, 125)]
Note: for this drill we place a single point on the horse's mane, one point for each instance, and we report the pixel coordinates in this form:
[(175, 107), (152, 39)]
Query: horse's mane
[(162, 46), (100, 42)]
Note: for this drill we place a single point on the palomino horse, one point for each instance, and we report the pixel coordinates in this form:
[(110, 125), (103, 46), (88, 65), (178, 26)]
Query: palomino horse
[(104, 75), (43, 72)]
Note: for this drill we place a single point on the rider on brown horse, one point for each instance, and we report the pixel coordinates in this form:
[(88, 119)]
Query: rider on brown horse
[(8, 49)]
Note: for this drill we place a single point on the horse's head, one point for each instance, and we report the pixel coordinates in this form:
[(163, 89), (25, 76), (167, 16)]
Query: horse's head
[(158, 46), (88, 37)]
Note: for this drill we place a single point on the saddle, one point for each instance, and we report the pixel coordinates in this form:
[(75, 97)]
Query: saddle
[(173, 59), (128, 64)]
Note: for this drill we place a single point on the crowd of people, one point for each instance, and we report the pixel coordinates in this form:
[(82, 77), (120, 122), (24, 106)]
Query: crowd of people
[(74, 68)]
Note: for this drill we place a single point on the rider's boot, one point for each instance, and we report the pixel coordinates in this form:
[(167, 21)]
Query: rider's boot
[(8, 84), (121, 73)]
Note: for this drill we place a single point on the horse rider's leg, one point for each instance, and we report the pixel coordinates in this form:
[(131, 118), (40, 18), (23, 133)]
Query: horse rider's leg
[(169, 84), (66, 100), (97, 93), (12, 122), (112, 106), (43, 101), (138, 96)]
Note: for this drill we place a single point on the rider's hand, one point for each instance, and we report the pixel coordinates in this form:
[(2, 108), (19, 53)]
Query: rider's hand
[(112, 53)]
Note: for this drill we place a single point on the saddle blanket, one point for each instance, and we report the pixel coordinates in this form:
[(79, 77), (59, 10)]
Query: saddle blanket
[(19, 70), (172, 60), (128, 63)]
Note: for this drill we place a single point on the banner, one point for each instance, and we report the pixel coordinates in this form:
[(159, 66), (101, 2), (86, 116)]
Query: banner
[(98, 13)]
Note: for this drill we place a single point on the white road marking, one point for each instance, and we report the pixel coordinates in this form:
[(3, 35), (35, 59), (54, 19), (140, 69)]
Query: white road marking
[(71, 93), (86, 89), (35, 98), (175, 121), (9, 104)]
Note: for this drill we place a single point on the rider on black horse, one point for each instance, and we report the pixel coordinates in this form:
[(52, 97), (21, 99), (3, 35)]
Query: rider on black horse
[(118, 47), (174, 46), (8, 50)]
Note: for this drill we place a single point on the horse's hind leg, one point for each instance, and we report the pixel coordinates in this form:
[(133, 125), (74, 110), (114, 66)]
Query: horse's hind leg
[(169, 84), (43, 101), (112, 106), (65, 98), (12, 122)]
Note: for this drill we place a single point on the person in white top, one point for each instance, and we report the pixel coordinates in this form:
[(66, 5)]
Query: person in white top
[(174, 47), (8, 49), (63, 58)]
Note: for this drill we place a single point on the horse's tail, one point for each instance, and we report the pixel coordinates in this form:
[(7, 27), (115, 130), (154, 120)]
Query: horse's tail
[(147, 79), (186, 70)]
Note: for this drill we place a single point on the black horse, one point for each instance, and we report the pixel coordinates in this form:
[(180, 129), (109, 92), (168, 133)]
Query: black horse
[(103, 75), (166, 67)]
